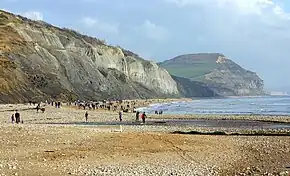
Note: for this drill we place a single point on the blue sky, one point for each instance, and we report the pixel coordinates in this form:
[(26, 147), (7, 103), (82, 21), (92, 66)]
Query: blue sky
[(253, 33)]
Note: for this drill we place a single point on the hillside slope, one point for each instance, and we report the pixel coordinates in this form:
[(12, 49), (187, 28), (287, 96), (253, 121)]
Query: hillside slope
[(216, 72), (39, 61)]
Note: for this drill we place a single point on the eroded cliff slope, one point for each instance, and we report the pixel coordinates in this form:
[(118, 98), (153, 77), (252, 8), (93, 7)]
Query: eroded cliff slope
[(40, 61), (214, 74)]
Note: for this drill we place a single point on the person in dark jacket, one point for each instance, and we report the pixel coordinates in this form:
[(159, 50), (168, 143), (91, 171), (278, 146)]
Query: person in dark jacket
[(17, 117), (120, 116), (38, 107), (137, 115), (86, 116), (12, 118)]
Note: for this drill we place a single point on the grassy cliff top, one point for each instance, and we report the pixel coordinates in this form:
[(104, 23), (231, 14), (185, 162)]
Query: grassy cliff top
[(192, 66)]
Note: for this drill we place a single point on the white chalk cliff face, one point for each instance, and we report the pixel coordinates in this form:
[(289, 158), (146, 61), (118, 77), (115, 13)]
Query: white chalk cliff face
[(57, 63)]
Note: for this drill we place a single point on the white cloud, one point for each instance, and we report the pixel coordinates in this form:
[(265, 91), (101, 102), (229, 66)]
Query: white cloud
[(244, 7), (278, 10), (100, 25), (153, 31), (33, 15)]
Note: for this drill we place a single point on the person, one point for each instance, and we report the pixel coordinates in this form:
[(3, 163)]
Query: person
[(120, 116), (12, 118), (86, 116), (143, 116), (42, 110), (38, 107), (17, 117), (137, 115)]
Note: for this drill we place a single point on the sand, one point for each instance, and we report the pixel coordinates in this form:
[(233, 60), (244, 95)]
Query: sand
[(58, 142)]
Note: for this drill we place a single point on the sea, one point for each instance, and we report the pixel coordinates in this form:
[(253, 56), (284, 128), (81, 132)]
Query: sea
[(265, 105)]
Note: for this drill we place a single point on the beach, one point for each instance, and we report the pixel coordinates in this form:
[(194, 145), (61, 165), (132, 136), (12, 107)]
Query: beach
[(60, 142)]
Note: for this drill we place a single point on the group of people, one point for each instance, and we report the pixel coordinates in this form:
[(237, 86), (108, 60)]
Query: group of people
[(124, 106), (143, 116), (56, 104), (38, 107), (159, 112), (16, 117), (138, 115)]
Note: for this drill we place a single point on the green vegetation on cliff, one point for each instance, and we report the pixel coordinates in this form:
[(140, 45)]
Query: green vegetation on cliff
[(192, 66)]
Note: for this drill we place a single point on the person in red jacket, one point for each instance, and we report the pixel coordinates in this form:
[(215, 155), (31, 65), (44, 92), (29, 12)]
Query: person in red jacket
[(143, 116)]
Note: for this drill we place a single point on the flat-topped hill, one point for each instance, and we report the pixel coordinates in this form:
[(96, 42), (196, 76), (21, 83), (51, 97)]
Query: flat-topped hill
[(223, 76)]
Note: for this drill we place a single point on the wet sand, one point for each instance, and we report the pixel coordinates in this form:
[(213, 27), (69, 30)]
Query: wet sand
[(59, 142), (194, 123)]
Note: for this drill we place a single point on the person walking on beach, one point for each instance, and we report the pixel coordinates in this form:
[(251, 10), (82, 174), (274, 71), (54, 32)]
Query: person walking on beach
[(143, 116), (120, 116), (12, 118), (17, 117), (137, 116), (38, 107), (86, 116)]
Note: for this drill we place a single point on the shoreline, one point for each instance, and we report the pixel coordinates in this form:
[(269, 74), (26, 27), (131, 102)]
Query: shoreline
[(275, 118), (262, 118), (142, 103)]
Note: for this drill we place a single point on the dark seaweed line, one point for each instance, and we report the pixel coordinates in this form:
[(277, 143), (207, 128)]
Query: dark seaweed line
[(231, 134)]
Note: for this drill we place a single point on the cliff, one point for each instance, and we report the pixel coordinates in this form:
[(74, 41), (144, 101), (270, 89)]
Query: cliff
[(217, 74), (39, 61)]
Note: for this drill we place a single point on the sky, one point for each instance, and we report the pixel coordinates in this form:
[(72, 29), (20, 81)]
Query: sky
[(253, 33)]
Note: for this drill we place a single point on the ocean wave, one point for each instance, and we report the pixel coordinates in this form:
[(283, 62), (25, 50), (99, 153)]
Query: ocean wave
[(258, 105)]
